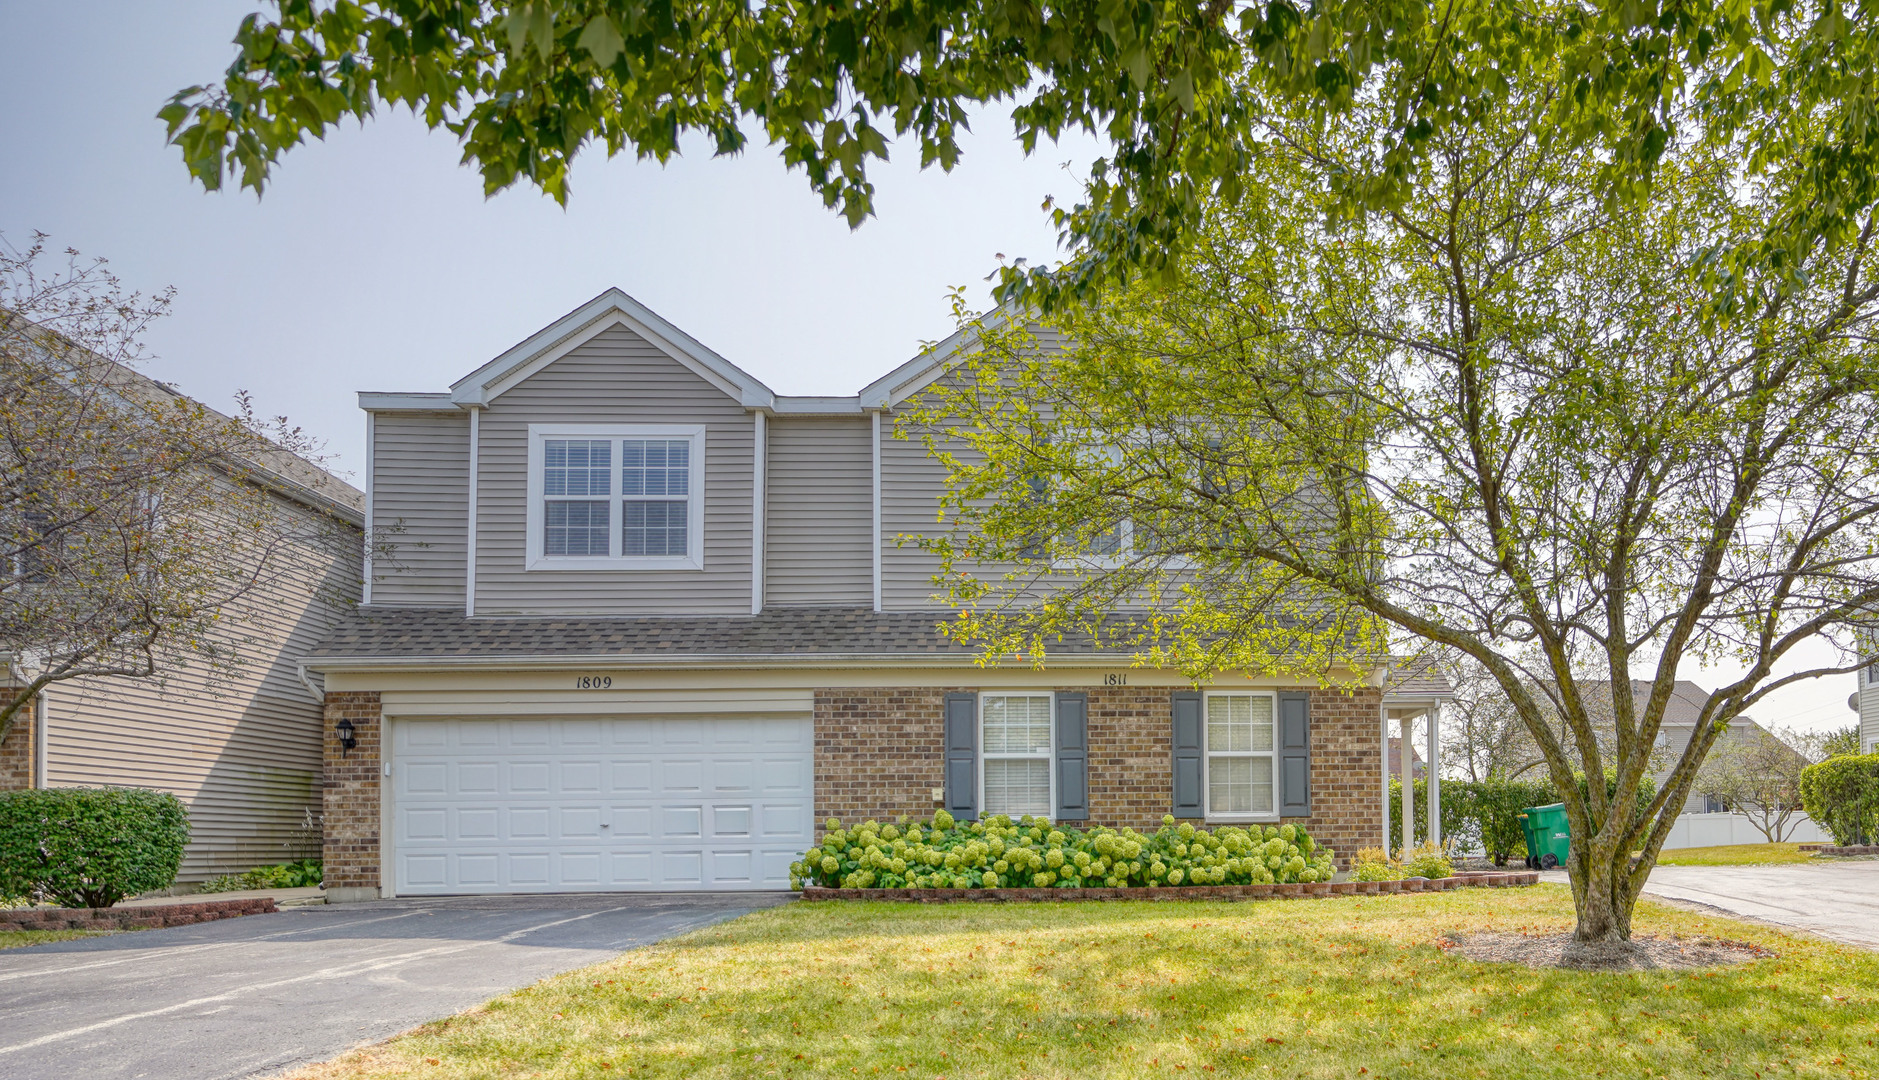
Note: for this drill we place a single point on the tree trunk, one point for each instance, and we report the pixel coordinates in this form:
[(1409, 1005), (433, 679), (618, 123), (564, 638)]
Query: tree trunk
[(1601, 894)]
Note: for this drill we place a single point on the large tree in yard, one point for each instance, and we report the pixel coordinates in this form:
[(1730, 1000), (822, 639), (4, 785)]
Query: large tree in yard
[(1176, 91), (1497, 413)]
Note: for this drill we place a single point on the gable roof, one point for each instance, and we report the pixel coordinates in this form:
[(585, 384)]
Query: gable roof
[(930, 366), (604, 312)]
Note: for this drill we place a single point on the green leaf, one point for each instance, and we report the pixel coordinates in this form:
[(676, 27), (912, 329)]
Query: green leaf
[(602, 40)]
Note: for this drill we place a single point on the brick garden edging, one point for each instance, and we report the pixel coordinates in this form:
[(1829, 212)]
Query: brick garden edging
[(1842, 849), (132, 918), (1187, 892)]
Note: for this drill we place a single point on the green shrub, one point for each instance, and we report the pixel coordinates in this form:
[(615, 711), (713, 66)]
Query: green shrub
[(1841, 794), (1031, 852), (89, 847), (1427, 861), (300, 874), (1484, 815), (1375, 864)]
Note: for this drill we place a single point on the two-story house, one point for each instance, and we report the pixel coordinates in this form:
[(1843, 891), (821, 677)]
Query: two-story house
[(647, 623)]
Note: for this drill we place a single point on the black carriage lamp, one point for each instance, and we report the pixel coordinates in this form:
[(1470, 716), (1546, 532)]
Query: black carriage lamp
[(347, 740)]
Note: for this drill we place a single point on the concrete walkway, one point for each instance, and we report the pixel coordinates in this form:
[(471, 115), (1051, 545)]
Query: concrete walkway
[(1835, 899), (257, 995)]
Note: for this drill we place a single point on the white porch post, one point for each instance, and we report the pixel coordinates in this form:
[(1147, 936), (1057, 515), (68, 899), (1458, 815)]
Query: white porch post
[(1384, 827), (1435, 772), (1409, 786)]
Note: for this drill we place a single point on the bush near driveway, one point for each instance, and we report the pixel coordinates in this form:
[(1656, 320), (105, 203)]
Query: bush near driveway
[(1841, 794), (89, 847), (1130, 991)]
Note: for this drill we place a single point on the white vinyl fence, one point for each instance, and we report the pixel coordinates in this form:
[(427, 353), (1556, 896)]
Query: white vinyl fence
[(1712, 830)]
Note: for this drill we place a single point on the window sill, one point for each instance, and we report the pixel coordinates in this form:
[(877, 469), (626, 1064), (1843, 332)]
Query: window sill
[(1241, 819), (564, 563)]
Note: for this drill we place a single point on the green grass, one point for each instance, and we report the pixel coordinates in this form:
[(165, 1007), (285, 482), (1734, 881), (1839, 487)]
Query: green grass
[(1350, 987), (16, 939), (1735, 855)]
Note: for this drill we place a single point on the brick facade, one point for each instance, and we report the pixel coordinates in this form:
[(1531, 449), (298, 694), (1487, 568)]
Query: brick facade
[(878, 755), (17, 750), (351, 810)]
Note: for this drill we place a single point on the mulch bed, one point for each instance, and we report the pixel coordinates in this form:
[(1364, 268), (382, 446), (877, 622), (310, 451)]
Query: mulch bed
[(1638, 954), (142, 917), (1298, 890)]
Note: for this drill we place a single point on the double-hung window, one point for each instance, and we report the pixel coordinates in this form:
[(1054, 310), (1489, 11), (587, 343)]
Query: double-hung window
[(615, 496), (1015, 732), (1241, 766)]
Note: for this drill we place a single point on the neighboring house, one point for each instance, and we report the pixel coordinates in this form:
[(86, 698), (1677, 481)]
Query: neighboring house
[(649, 622), (241, 748), (1417, 768), (1866, 703)]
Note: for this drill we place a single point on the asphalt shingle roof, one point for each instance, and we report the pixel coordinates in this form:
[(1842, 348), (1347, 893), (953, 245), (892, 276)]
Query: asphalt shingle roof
[(419, 634)]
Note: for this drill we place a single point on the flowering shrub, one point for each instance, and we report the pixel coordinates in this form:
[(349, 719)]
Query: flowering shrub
[(1375, 864), (1032, 853), (1428, 860)]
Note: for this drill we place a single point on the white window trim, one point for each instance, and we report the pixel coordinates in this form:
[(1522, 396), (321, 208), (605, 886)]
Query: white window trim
[(1049, 756), (694, 559), (1207, 758)]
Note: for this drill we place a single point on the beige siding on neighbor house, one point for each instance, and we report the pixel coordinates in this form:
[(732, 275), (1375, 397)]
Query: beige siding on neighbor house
[(242, 749), (616, 378), (420, 482), (820, 506)]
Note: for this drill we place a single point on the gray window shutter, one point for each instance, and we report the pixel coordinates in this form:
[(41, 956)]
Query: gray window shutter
[(1072, 760), (1187, 752), (1294, 755), (962, 756)]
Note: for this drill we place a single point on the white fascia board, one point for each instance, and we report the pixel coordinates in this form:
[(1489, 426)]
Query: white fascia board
[(609, 309), (817, 406), (923, 370), (374, 401)]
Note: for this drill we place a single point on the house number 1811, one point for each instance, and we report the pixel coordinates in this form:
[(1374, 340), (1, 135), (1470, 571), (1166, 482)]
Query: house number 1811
[(594, 682), (1115, 679)]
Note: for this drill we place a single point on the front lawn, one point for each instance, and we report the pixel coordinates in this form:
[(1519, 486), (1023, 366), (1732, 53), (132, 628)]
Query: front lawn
[(14, 939), (1353, 987), (1735, 855)]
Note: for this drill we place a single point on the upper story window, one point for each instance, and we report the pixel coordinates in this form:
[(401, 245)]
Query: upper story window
[(616, 496), (1241, 745)]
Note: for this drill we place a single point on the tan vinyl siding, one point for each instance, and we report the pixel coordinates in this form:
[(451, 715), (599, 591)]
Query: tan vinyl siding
[(420, 482), (241, 748), (820, 505), (911, 485), (616, 378)]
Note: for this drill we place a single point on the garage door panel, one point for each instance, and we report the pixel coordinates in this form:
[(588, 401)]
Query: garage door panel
[(516, 805), (682, 776), (580, 776), (478, 778), (730, 821)]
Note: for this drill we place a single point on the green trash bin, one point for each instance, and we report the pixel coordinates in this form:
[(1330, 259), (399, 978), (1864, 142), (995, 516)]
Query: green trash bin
[(1549, 837)]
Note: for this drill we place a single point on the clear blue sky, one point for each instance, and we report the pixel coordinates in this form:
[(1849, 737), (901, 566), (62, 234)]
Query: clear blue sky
[(375, 263)]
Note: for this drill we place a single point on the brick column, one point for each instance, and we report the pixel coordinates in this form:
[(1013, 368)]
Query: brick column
[(351, 811), (1346, 770), (17, 749)]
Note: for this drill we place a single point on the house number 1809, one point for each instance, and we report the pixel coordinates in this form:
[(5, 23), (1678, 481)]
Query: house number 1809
[(594, 682)]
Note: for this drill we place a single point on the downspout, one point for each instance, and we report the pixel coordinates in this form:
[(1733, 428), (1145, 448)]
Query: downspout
[(319, 693)]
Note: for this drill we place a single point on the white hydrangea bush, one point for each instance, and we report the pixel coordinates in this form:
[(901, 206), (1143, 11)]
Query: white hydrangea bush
[(999, 853)]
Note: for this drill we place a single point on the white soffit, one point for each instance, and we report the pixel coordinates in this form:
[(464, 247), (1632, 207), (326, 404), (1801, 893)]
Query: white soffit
[(373, 401), (604, 312)]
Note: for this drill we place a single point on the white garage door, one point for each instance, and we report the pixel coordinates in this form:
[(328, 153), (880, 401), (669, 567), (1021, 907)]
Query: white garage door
[(563, 805)]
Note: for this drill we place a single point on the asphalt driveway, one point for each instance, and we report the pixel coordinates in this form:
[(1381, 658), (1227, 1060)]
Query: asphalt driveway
[(257, 995), (1835, 899)]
